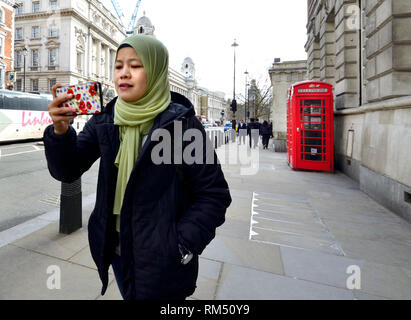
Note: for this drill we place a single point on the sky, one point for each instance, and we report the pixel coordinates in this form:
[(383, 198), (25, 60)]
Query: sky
[(204, 30)]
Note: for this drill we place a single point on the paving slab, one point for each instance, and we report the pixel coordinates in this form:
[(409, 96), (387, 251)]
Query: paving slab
[(328, 269), (239, 283), (27, 277), (84, 258), (388, 281), (208, 276), (374, 231), (259, 256), (383, 252), (235, 228), (50, 242)]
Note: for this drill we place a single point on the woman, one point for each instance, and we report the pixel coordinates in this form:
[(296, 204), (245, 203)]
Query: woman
[(151, 222), (265, 132)]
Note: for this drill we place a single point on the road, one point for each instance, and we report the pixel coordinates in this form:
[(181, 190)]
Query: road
[(26, 188)]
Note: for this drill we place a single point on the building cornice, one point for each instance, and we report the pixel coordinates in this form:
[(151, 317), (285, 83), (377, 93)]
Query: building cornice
[(75, 14)]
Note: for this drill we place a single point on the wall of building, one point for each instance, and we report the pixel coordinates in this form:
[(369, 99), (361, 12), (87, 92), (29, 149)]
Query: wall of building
[(283, 75), (7, 35), (363, 48)]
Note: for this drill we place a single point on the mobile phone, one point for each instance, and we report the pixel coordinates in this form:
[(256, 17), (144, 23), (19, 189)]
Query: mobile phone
[(87, 97)]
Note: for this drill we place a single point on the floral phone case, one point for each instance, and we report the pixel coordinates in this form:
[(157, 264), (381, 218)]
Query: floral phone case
[(87, 97)]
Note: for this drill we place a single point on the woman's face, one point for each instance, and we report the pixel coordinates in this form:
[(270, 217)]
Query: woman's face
[(130, 77)]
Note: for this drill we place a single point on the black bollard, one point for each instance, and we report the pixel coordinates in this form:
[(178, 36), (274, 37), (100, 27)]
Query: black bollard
[(70, 207)]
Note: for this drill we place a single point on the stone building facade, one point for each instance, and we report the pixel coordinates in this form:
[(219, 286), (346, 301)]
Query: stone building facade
[(363, 48), (7, 9), (283, 75), (67, 42)]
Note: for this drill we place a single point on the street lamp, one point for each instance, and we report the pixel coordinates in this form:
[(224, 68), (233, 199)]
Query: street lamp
[(234, 102), (245, 97), (24, 67)]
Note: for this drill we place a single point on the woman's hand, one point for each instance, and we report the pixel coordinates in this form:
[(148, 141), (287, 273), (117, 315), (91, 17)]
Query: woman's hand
[(61, 121)]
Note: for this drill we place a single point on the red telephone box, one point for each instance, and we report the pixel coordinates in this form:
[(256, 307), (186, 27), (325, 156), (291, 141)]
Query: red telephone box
[(310, 126)]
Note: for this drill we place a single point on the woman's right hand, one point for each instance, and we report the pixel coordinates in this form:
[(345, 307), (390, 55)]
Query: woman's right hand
[(61, 121)]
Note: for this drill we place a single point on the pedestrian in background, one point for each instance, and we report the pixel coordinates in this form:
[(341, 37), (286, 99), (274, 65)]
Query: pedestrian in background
[(253, 133), (150, 222), (265, 134), (242, 132)]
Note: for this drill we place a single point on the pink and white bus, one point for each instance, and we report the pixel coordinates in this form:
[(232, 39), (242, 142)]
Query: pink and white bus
[(25, 116)]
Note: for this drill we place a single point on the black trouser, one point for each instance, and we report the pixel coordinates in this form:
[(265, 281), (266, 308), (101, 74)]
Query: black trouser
[(266, 139)]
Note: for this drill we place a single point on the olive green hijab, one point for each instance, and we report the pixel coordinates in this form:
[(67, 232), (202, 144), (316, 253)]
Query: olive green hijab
[(135, 119)]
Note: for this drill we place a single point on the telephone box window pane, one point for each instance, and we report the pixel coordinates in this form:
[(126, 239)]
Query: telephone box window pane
[(312, 126), (312, 110), (313, 142), (312, 134), (313, 157), (312, 102), (313, 150)]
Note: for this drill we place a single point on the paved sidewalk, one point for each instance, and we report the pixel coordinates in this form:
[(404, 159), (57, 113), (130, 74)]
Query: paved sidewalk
[(288, 235)]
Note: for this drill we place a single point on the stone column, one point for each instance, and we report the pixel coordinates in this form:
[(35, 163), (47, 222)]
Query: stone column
[(89, 56), (388, 68), (107, 67), (347, 60), (98, 60), (327, 52)]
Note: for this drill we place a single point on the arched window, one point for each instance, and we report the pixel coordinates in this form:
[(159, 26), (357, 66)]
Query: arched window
[(141, 30)]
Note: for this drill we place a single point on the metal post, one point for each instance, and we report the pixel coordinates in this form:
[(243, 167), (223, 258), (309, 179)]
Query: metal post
[(245, 97), (24, 67), (235, 44), (70, 207)]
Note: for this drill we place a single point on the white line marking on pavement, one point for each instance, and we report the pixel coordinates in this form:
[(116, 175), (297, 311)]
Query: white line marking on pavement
[(252, 221), (17, 153), (36, 148)]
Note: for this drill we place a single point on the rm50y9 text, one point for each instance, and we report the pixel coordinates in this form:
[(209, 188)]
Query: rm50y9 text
[(226, 309)]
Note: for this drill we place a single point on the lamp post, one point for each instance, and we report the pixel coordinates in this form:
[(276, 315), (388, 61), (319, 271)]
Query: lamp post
[(234, 102), (24, 67), (245, 97)]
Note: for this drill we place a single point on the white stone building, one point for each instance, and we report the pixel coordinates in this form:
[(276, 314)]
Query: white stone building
[(283, 75), (363, 48), (67, 42), (72, 41)]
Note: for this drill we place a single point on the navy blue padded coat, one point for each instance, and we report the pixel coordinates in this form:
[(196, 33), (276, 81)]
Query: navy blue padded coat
[(160, 209)]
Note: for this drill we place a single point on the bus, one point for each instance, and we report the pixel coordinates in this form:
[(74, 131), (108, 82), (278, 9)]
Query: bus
[(25, 116)]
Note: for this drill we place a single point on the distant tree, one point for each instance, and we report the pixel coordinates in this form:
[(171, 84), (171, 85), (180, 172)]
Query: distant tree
[(260, 99)]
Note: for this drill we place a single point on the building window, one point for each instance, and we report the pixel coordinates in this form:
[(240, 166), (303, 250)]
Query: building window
[(53, 31), (53, 4), (2, 78), (1, 15), (35, 58), (19, 33), (52, 57), (17, 59), (35, 85), (2, 46), (79, 61), (35, 32), (19, 9), (18, 85), (52, 82), (36, 6)]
